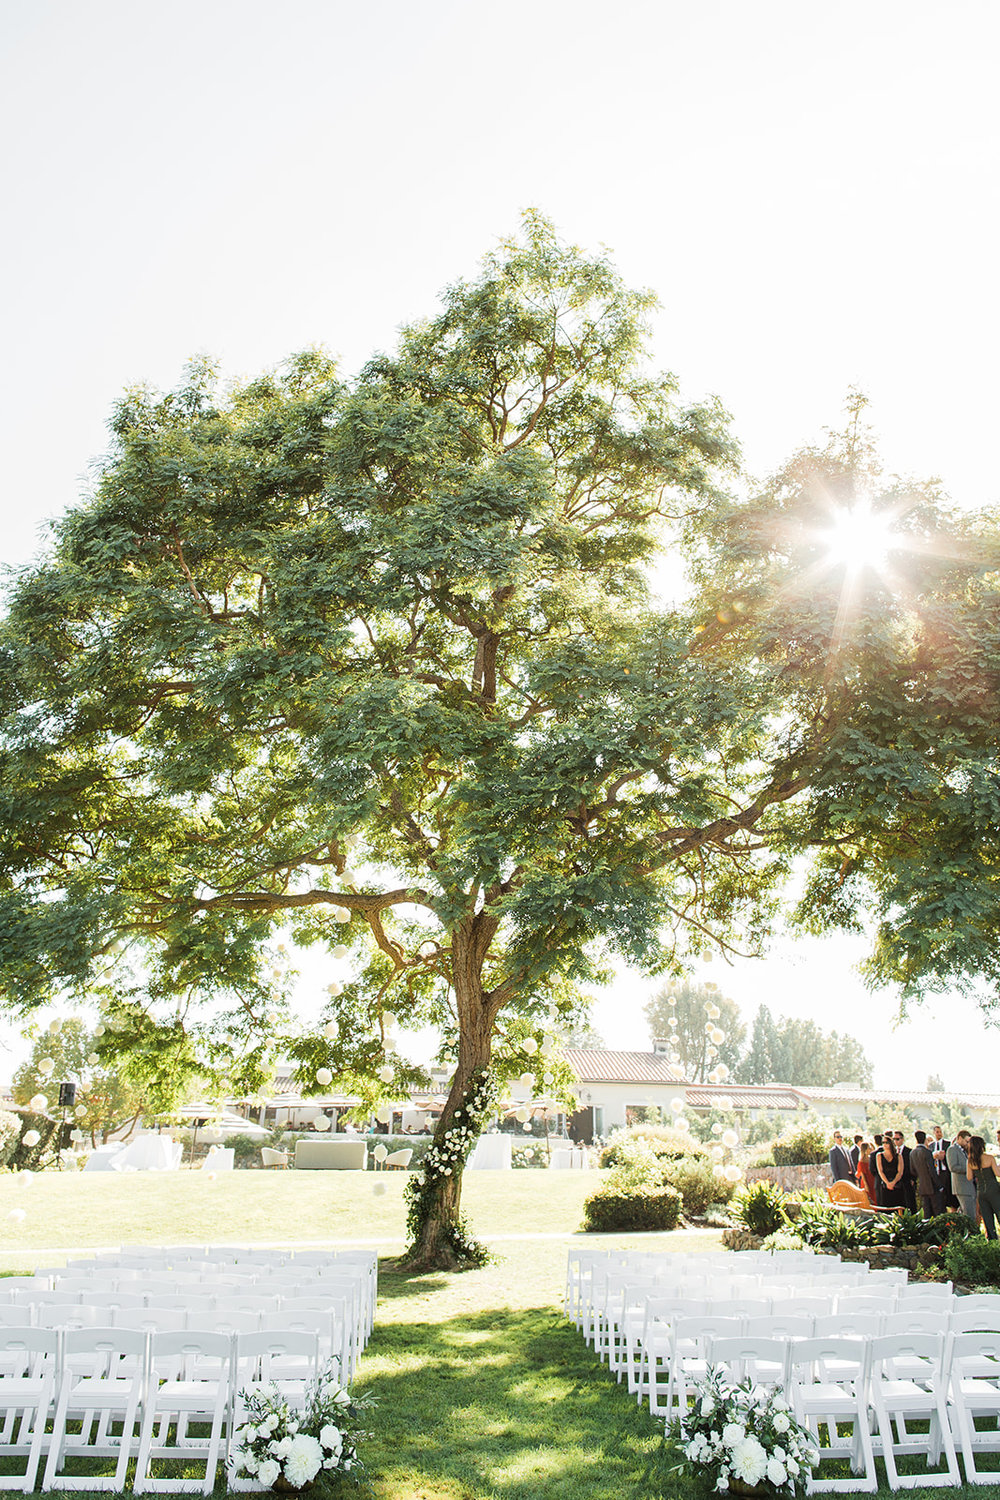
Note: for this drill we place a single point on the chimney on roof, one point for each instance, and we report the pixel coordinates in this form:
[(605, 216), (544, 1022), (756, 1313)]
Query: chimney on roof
[(661, 1046)]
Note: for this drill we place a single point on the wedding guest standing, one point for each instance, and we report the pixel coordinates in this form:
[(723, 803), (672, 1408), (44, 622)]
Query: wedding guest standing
[(938, 1148), (890, 1170), (923, 1175), (840, 1160), (873, 1169), (863, 1176), (909, 1190), (958, 1167), (982, 1170)]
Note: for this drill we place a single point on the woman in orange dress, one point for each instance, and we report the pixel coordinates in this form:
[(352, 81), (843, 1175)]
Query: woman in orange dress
[(863, 1175)]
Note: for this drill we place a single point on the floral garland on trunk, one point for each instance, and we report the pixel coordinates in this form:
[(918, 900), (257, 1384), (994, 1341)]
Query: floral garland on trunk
[(443, 1159)]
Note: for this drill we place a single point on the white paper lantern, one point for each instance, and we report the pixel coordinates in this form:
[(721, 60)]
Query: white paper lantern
[(547, 1077), (723, 1071), (711, 1052), (80, 1111), (672, 1023), (389, 1019), (55, 1027), (92, 1059), (522, 1114), (527, 1080), (46, 1065), (341, 914), (31, 1138), (529, 1045), (340, 951), (17, 1216), (729, 1138), (724, 1102), (381, 1152), (718, 1152), (718, 1128), (713, 1077), (718, 1035), (39, 1104), (323, 1077), (527, 1126), (76, 1135), (26, 1178), (548, 1046), (385, 1073), (677, 1105), (671, 999), (682, 1123), (99, 1030), (384, 1114), (349, 878), (732, 1173), (330, 1029), (322, 1122)]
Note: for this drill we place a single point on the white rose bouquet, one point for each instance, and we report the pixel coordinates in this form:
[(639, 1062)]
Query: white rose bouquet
[(743, 1438), (287, 1447)]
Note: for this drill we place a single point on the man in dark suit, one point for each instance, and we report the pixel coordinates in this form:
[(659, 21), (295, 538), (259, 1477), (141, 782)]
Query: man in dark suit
[(873, 1169), (909, 1187), (856, 1152), (938, 1147), (840, 1160), (924, 1176)]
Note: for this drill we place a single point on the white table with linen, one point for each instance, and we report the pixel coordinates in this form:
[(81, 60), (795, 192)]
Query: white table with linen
[(491, 1153)]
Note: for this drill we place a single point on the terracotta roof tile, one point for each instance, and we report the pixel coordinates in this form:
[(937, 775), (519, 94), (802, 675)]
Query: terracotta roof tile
[(598, 1065)]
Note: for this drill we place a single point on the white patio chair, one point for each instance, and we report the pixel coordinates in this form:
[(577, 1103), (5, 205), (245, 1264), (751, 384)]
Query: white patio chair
[(828, 1389), (330, 1329), (806, 1306), (70, 1315), (29, 1365), (972, 1319), (913, 1293), (921, 1397), (848, 1326), (14, 1316), (780, 1325), (763, 1360), (740, 1307), (175, 1394), (400, 1159), (287, 1358), (103, 1377), (151, 1319), (335, 1319), (975, 1393)]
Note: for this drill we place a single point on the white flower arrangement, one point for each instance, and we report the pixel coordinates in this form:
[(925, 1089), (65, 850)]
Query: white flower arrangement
[(277, 1441), (743, 1437)]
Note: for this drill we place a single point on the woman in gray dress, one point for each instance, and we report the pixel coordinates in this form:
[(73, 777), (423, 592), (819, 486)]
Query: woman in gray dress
[(982, 1170)]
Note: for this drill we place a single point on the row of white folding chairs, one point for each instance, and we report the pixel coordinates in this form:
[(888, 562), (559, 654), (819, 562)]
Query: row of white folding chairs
[(331, 1322), (877, 1389), (621, 1323), (672, 1338), (148, 1382)]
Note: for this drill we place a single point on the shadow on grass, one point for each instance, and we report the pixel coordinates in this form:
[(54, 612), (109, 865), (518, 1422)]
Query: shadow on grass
[(504, 1405)]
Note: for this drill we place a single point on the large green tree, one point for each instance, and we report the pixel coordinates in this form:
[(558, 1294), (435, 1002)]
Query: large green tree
[(376, 664), (796, 1051), (686, 1013)]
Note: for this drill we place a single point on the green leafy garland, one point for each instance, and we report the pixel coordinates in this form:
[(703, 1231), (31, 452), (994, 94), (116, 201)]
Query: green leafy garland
[(444, 1158)]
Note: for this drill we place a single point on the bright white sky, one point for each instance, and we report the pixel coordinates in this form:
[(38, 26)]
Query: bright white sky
[(811, 189)]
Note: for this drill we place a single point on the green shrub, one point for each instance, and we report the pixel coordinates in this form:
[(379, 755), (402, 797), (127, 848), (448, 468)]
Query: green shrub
[(10, 1134), (245, 1149), (805, 1146), (973, 1261), (760, 1207), (652, 1208), (34, 1158), (670, 1145), (698, 1183)]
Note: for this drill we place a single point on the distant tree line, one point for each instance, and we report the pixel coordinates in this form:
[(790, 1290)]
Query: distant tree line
[(781, 1049)]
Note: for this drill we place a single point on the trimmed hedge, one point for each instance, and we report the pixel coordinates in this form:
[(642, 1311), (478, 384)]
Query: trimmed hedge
[(805, 1147), (652, 1208), (667, 1144), (973, 1261)]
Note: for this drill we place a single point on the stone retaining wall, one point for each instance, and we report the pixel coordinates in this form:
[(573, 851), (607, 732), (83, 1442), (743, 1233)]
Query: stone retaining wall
[(792, 1179)]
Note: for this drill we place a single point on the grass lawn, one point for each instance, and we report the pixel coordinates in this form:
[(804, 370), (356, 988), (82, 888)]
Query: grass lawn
[(485, 1393)]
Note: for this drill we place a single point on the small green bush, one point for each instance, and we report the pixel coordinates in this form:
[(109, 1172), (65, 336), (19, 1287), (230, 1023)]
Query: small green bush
[(760, 1207), (698, 1184), (651, 1208), (245, 1149), (973, 1261), (34, 1158), (667, 1144), (803, 1147)]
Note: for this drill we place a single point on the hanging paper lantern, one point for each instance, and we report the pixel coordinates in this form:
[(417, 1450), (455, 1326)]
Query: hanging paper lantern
[(31, 1138), (386, 1073), (389, 1019), (99, 1030), (529, 1045), (677, 1105), (718, 1152), (710, 1053), (46, 1065), (55, 1027), (323, 1077), (717, 1034), (76, 1135), (732, 1173), (522, 1114), (671, 999), (672, 1023), (682, 1123), (718, 1128), (730, 1138), (92, 1059), (17, 1216), (341, 914), (39, 1104), (723, 1071), (330, 1029), (80, 1111), (384, 1114), (349, 878), (381, 1152), (527, 1080), (527, 1126), (713, 1012), (340, 951), (322, 1122), (547, 1077)]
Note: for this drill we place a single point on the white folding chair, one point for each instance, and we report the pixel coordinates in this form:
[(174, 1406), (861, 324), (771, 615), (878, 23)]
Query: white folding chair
[(765, 1361), (779, 1325), (177, 1393), (151, 1319), (975, 1394), (29, 1362), (104, 1375), (285, 1358), (828, 1388), (653, 1353), (920, 1397), (332, 1318), (70, 1315), (686, 1357)]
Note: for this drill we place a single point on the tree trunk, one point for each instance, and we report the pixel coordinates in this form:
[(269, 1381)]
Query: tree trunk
[(438, 1242)]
